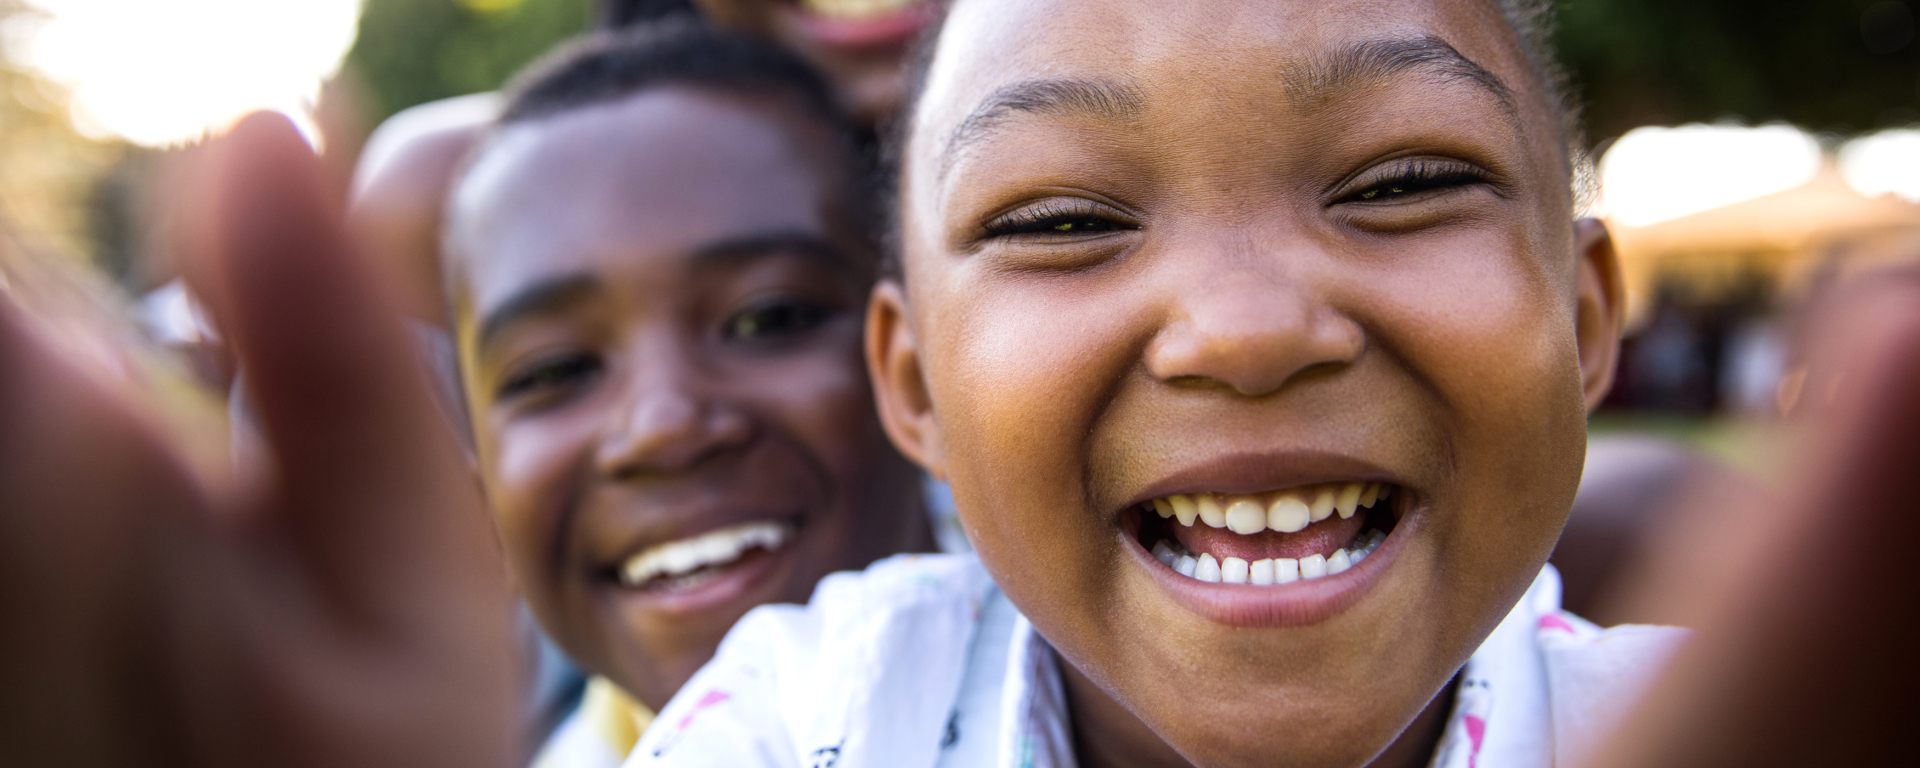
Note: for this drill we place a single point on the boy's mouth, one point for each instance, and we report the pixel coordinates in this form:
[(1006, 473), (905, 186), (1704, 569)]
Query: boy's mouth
[(1272, 538), (687, 563)]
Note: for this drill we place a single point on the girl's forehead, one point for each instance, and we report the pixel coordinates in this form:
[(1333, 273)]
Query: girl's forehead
[(1277, 55)]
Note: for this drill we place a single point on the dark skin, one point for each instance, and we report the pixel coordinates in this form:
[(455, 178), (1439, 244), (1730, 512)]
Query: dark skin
[(658, 309), (1332, 263)]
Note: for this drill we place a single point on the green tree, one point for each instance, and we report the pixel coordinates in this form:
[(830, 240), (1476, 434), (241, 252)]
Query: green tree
[(1837, 65), (414, 51)]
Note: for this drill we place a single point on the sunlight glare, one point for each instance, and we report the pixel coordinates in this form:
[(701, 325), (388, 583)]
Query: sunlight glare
[(1885, 163), (159, 72), (1656, 174)]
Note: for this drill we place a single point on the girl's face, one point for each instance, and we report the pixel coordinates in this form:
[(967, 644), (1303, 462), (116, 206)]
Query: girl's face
[(1204, 277), (659, 305)]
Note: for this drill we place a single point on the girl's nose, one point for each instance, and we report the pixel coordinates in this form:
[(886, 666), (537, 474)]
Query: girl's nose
[(1251, 330), (671, 420)]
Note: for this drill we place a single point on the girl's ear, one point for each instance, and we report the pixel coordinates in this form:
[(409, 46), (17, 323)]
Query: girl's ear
[(899, 388), (1601, 308)]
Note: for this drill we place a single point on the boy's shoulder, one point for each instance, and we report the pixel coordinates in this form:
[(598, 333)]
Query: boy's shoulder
[(870, 665)]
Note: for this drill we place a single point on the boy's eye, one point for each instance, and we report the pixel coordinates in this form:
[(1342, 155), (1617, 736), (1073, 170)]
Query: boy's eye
[(775, 319), (1059, 217), (1406, 182), (550, 374)]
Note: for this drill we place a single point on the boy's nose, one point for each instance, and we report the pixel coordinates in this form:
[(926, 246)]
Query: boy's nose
[(1251, 330), (669, 422)]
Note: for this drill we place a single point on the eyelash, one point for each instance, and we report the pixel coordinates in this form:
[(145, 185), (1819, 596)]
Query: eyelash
[(549, 374), (1060, 217), (1417, 177), (777, 319)]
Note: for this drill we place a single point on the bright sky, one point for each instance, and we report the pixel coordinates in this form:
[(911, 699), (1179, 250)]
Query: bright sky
[(1653, 175), (165, 71)]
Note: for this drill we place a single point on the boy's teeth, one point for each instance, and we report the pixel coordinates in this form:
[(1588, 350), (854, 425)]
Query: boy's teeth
[(1289, 514), (1322, 506), (1210, 511), (1208, 569), (1234, 570), (1289, 511), (678, 558), (1262, 573), (1348, 500), (1164, 554), (1286, 570), (1246, 516), (1184, 509)]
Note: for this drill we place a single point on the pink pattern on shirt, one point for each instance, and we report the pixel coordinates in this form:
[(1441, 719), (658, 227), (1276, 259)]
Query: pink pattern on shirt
[(712, 698), (1552, 621), (1476, 733)]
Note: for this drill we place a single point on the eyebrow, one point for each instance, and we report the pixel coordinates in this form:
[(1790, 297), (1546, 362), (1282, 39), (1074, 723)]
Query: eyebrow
[(1061, 97), (555, 293), (540, 298), (1368, 63), (1350, 68)]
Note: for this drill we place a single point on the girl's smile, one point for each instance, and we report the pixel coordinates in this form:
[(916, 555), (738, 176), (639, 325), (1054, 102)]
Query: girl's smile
[(1184, 287)]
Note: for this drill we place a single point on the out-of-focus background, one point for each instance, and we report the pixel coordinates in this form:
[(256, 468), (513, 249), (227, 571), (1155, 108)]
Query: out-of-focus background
[(1747, 151)]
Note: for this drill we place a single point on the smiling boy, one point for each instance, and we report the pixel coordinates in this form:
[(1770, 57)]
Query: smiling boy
[(659, 262), (1256, 341)]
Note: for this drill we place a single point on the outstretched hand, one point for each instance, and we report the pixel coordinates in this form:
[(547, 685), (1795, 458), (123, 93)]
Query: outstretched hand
[(1804, 593), (348, 610)]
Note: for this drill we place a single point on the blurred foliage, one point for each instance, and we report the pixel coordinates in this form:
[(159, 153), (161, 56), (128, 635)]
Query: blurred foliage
[(414, 51), (1829, 65), (46, 168)]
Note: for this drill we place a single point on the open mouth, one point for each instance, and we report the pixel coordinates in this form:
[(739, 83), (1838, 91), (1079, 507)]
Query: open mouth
[(688, 563), (1269, 539)]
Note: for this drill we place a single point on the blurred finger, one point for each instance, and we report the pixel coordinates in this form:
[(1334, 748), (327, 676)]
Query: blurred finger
[(370, 482)]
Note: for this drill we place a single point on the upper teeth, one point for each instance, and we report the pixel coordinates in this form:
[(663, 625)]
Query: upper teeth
[(719, 547), (855, 8), (1286, 511)]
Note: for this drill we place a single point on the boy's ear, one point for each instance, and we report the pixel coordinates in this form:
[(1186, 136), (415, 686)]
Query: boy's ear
[(1601, 308), (899, 389)]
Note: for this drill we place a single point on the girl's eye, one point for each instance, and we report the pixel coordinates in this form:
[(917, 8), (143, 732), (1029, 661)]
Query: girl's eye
[(1410, 180), (769, 321), (550, 374), (1059, 217)]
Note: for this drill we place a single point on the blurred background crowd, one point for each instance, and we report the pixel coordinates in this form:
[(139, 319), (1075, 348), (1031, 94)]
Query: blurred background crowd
[(1745, 153)]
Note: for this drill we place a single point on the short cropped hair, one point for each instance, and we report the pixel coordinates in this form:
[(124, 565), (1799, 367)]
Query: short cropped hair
[(607, 66), (615, 14)]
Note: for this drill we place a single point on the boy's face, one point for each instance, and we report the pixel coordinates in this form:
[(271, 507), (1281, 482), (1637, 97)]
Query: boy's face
[(1244, 261), (658, 311)]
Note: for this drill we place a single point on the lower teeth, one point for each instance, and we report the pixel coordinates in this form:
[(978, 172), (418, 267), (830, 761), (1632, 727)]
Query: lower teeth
[(1280, 570)]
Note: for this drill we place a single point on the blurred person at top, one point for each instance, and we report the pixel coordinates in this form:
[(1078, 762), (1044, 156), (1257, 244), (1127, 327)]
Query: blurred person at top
[(401, 184)]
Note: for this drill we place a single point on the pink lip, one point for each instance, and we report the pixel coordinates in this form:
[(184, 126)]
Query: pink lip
[(1263, 472), (741, 581), (890, 30), (1286, 605)]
